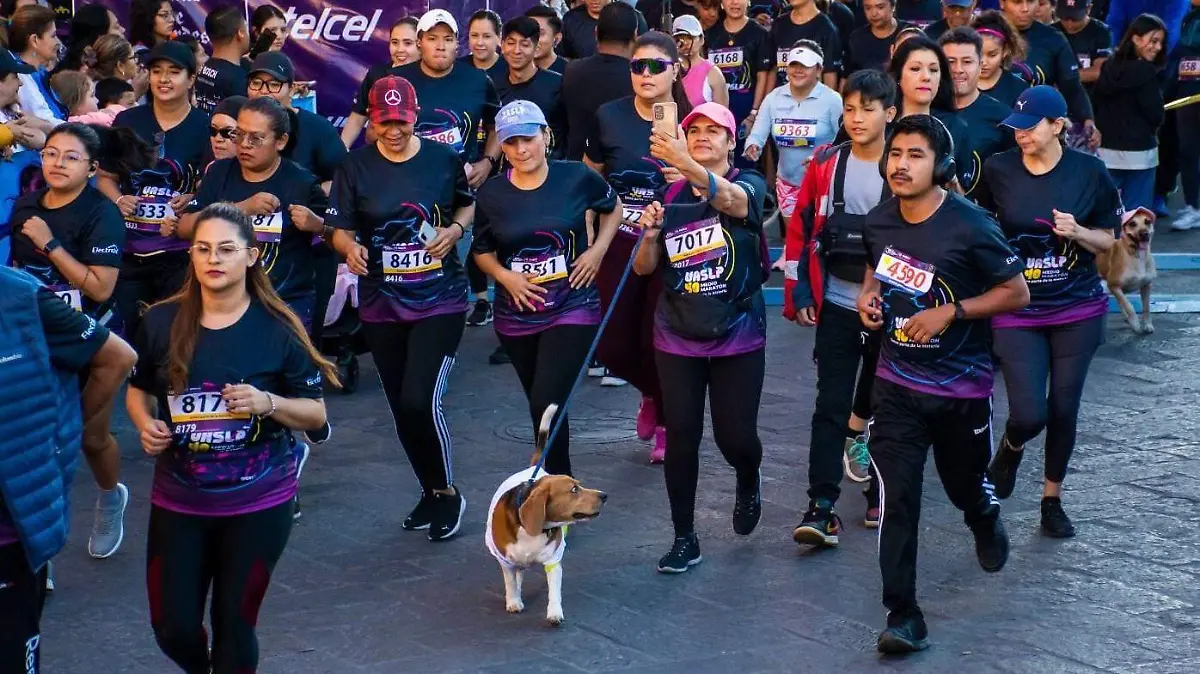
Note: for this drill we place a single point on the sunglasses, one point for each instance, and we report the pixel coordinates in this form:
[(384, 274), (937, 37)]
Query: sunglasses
[(651, 66), (226, 133)]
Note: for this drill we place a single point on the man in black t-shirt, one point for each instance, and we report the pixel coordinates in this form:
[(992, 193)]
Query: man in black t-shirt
[(525, 81), (314, 142), (955, 13), (604, 76), (547, 57), (1090, 39), (938, 268), (579, 28), (981, 113), (870, 45), (222, 75)]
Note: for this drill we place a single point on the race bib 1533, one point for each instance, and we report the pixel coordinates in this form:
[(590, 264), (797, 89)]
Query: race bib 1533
[(149, 215)]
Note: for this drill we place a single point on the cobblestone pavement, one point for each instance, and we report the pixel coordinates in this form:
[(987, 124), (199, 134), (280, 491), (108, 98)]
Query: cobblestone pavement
[(355, 593)]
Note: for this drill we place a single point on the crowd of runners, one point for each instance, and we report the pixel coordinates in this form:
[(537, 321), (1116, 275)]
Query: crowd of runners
[(942, 175)]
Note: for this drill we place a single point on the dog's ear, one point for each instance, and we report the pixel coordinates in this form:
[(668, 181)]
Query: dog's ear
[(533, 510)]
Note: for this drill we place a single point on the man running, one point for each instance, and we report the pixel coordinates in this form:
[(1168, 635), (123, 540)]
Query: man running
[(939, 266)]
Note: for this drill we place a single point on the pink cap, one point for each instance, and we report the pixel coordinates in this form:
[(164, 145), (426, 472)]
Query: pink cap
[(714, 111), (1128, 215)]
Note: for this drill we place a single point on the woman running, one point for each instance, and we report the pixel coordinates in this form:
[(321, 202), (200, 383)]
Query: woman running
[(225, 373), (710, 328), (1128, 103), (619, 149), (701, 79), (532, 237), (402, 48), (399, 206), (223, 127), (483, 39), (1059, 208), (1002, 47), (70, 237), (155, 260), (923, 81)]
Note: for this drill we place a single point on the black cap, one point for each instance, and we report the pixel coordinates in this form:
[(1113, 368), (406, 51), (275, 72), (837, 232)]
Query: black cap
[(1074, 10), (9, 64), (173, 52), (276, 64), (230, 106)]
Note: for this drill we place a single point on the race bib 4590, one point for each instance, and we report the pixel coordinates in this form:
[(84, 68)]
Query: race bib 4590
[(905, 272)]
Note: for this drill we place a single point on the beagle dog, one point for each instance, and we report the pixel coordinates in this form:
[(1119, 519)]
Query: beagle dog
[(1129, 266), (527, 525)]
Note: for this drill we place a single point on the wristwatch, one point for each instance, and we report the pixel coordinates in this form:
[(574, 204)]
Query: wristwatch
[(51, 246), (959, 312)]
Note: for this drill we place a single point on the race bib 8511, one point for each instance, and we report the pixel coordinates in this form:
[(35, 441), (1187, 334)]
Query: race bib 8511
[(541, 269)]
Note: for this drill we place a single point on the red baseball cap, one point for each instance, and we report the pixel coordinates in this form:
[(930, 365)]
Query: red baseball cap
[(392, 99)]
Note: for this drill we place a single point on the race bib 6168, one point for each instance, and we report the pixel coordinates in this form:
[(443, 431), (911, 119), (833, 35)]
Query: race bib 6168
[(904, 272)]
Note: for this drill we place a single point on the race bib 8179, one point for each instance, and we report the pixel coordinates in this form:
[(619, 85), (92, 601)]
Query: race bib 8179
[(268, 227)]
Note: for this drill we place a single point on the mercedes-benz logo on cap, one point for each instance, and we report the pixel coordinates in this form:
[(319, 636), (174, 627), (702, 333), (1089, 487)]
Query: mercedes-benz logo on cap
[(392, 97)]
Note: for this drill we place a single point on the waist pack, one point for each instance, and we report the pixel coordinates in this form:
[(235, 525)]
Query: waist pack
[(841, 238), (700, 317)]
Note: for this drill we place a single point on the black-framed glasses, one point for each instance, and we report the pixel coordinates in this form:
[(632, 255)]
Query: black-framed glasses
[(649, 65), (54, 157), (272, 87), (227, 132)]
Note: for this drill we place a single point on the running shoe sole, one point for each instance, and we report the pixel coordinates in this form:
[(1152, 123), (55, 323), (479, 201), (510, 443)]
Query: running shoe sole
[(120, 526), (893, 644), (811, 536), (672, 569)]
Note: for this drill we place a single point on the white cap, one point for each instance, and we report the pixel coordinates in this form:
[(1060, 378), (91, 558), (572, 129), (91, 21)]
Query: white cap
[(687, 24), (805, 57), (435, 16)]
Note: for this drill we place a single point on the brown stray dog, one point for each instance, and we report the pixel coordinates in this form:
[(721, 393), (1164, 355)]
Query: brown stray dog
[(1129, 266), (527, 525)]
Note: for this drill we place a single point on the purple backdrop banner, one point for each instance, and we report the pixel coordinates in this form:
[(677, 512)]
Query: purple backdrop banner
[(333, 42)]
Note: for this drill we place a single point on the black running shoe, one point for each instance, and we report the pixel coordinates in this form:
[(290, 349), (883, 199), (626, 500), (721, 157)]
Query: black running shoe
[(991, 544), (448, 512), (684, 554), (421, 516), (747, 509), (481, 314), (499, 356), (1003, 469), (1055, 522), (820, 526), (904, 634)]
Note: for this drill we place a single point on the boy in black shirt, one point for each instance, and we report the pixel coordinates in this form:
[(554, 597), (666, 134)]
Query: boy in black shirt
[(549, 37), (1090, 39), (524, 80), (222, 75), (938, 267)]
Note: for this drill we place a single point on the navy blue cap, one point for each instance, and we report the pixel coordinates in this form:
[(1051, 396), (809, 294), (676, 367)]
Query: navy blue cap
[(1071, 9), (958, 3), (174, 52), (1035, 104), (276, 64)]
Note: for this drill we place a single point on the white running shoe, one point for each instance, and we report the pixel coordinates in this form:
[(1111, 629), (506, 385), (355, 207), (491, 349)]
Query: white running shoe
[(1186, 218), (108, 528)]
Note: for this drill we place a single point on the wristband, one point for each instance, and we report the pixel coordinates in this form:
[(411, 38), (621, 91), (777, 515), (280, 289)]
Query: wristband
[(326, 232), (51, 246), (959, 312), (712, 185), (460, 226)]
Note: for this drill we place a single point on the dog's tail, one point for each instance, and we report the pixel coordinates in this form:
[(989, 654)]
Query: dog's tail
[(543, 433)]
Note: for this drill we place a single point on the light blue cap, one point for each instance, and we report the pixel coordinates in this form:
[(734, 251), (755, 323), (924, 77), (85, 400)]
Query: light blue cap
[(519, 119)]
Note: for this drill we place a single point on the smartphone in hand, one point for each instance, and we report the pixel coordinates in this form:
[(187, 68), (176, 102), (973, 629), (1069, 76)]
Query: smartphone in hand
[(666, 119)]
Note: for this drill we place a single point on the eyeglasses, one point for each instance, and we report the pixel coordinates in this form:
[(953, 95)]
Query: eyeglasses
[(251, 140), (64, 159), (651, 66), (227, 133), (272, 87), (224, 251)]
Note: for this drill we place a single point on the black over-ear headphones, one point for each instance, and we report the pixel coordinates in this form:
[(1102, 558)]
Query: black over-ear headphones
[(944, 168)]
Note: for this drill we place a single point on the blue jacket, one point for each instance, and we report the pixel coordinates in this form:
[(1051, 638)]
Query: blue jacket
[(41, 425), (1121, 13)]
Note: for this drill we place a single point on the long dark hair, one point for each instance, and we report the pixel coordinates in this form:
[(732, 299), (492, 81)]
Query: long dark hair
[(89, 24), (1143, 24), (666, 44), (141, 21), (185, 328), (944, 98)]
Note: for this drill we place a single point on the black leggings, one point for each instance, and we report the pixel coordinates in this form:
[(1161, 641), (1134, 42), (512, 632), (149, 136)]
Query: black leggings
[(414, 361), (1028, 358), (145, 280), (22, 595), (547, 364), (186, 555), (734, 385), (476, 279)]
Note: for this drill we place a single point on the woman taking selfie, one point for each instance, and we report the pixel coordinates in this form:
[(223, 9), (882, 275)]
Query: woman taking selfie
[(225, 373), (532, 237), (619, 149), (710, 327)]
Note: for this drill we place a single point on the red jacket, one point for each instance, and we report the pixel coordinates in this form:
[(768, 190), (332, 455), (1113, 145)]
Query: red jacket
[(804, 271)]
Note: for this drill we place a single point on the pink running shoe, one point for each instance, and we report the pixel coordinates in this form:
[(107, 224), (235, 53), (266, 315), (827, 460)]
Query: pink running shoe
[(659, 453), (646, 419)]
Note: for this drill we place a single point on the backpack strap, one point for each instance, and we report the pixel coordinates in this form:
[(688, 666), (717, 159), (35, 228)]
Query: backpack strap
[(839, 179)]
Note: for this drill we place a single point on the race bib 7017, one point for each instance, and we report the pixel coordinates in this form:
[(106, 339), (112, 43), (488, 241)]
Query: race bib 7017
[(696, 243)]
